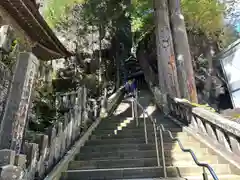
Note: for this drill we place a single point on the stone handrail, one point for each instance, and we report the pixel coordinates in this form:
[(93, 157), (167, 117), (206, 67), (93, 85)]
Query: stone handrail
[(39, 157), (223, 134), (113, 99), (43, 151), (62, 165)]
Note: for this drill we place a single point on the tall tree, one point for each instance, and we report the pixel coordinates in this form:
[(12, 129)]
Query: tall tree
[(182, 51), (165, 54)]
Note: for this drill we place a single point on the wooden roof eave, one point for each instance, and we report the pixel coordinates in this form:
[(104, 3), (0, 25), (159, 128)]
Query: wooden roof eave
[(47, 40), (29, 6), (45, 54)]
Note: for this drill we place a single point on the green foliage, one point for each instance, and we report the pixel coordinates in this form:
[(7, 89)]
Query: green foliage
[(57, 10), (43, 100), (141, 14), (44, 108), (228, 36), (204, 15)]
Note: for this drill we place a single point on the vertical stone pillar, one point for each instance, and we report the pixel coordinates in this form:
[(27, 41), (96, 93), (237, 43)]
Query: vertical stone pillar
[(14, 119), (84, 105), (58, 103), (95, 106), (104, 112), (79, 104)]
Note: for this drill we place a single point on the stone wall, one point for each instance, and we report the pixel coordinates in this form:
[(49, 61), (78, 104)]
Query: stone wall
[(38, 158)]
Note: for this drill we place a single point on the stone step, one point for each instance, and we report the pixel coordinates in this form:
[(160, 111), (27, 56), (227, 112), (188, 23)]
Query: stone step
[(116, 147), (128, 127), (101, 147), (141, 172), (138, 150), (125, 118), (170, 156), (174, 151), (156, 179), (221, 177), (106, 164), (136, 139), (132, 123), (194, 170), (110, 174), (181, 135), (112, 141), (132, 127), (130, 131), (116, 155), (179, 156), (120, 136), (171, 161), (187, 142)]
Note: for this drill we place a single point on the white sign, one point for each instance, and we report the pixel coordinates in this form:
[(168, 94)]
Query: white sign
[(231, 67)]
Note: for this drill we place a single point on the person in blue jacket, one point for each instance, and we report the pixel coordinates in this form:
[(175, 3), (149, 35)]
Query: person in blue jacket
[(130, 87)]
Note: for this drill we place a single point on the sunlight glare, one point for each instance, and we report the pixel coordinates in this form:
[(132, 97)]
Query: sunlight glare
[(121, 108), (150, 109)]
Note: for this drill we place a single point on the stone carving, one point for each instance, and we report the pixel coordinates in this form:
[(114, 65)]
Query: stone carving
[(5, 78), (15, 113), (21, 115)]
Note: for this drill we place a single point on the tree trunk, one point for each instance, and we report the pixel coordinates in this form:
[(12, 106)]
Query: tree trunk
[(183, 57), (166, 62), (210, 73)]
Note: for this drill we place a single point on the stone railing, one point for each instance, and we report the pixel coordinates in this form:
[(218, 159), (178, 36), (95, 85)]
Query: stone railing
[(43, 151), (39, 156), (5, 81), (112, 103), (223, 134), (114, 99), (219, 132)]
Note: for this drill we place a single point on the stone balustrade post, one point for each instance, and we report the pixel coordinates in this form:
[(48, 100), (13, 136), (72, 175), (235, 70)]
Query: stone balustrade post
[(79, 106), (15, 114), (84, 105)]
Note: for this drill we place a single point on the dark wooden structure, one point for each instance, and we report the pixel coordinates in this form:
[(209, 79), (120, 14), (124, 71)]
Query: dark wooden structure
[(25, 13)]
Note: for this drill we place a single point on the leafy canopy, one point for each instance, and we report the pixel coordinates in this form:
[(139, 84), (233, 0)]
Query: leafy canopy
[(203, 15), (56, 10)]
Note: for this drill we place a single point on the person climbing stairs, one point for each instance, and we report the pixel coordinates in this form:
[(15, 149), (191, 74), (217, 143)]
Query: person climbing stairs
[(118, 150)]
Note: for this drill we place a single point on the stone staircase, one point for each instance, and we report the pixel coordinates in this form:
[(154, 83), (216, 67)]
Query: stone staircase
[(115, 152)]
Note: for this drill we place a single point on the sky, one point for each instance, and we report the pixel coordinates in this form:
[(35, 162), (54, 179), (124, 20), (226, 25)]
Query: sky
[(234, 17), (238, 22)]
